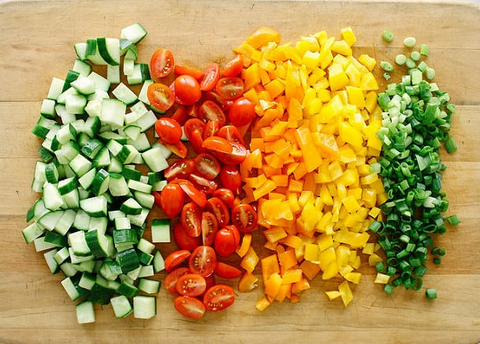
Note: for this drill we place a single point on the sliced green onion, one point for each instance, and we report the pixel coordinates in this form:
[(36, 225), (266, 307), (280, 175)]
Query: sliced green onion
[(400, 59), (424, 50), (410, 42), (429, 73), (431, 293), (415, 56), (386, 75), (386, 66), (453, 220), (450, 145), (387, 35)]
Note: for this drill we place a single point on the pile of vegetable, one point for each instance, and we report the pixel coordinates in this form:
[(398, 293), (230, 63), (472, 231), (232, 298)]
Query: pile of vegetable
[(292, 140)]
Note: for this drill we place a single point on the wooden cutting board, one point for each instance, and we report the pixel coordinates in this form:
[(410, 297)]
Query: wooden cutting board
[(36, 44)]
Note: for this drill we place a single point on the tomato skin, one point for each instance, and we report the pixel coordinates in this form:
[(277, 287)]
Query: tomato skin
[(230, 88), (176, 258), (191, 219), (211, 129), (231, 134), (177, 148), (183, 240), (225, 270), (194, 129), (187, 90), (226, 195), (206, 165), (211, 111), (217, 207), (230, 177), (171, 279), (203, 184), (210, 77), (219, 297), (160, 96), (223, 103), (180, 169), (233, 67), (161, 63), (191, 191), (203, 260), (189, 306), (191, 285), (172, 199), (242, 112), (226, 241), (235, 157), (168, 129), (244, 217), (209, 228), (217, 144), (180, 115), (184, 70)]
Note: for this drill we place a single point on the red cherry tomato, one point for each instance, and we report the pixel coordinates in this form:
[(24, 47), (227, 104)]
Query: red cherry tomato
[(180, 115), (191, 285), (231, 134), (223, 103), (217, 144), (210, 77), (244, 217), (219, 297), (226, 241), (207, 165), (183, 240), (177, 148), (209, 228), (161, 97), (180, 169), (191, 219), (172, 199), (194, 129), (184, 70), (230, 177), (171, 279), (168, 129), (176, 258), (211, 111), (211, 281), (241, 112), (217, 207), (203, 184), (187, 90), (225, 270), (235, 157), (189, 307), (211, 129), (203, 261), (226, 195), (191, 191), (230, 88), (233, 67), (161, 63)]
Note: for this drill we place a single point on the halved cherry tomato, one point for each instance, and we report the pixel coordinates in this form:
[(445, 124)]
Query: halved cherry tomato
[(209, 228), (172, 199), (241, 112), (177, 148), (237, 155), (180, 169), (226, 195), (226, 241), (207, 165), (176, 258), (191, 191), (233, 67), (211, 281), (189, 307), (161, 97), (223, 103), (210, 77), (194, 128), (230, 177), (211, 111), (217, 207), (187, 90), (217, 144), (168, 129), (219, 297), (211, 129), (225, 270), (161, 63), (230, 88), (180, 115), (191, 285), (203, 261), (171, 279), (244, 217), (231, 134), (184, 70), (203, 184), (183, 240), (191, 219)]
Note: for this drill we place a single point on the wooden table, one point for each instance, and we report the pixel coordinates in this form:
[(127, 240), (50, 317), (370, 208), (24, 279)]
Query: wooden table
[(36, 44)]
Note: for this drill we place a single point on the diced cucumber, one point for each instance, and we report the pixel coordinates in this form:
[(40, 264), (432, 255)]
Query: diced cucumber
[(113, 74), (144, 307), (125, 94), (85, 312), (121, 306), (134, 33), (155, 159), (109, 49), (149, 286), (161, 231)]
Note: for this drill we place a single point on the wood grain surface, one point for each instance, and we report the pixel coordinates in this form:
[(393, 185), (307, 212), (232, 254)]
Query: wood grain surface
[(36, 44)]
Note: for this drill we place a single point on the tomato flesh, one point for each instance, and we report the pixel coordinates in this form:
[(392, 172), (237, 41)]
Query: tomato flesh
[(207, 165), (209, 228), (219, 297), (161, 63), (203, 260), (216, 206), (244, 217), (233, 67), (171, 279), (191, 219), (176, 258), (210, 77), (180, 169), (191, 285), (230, 88), (189, 307), (161, 97), (211, 111)]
